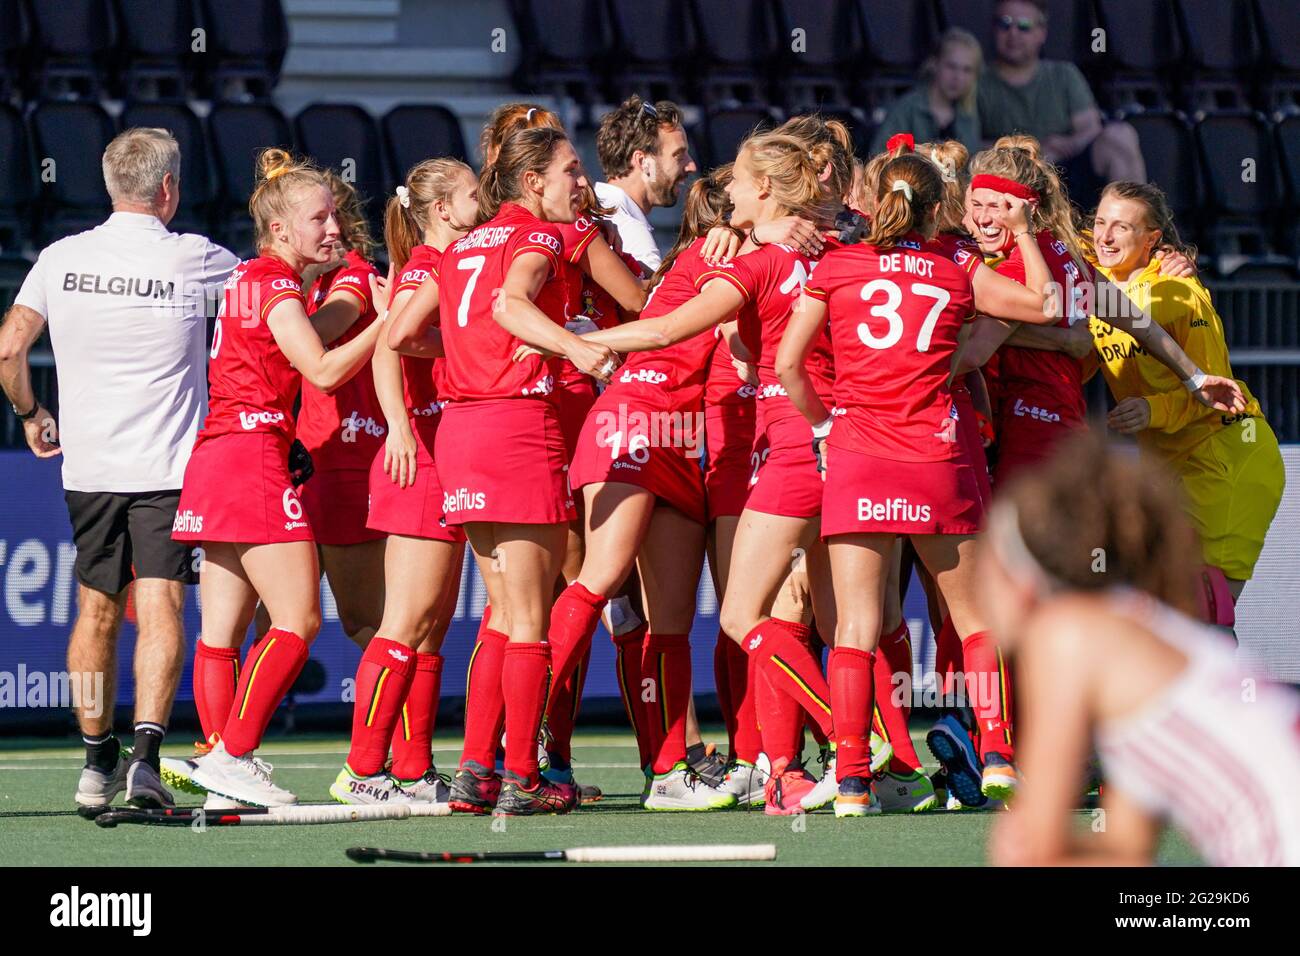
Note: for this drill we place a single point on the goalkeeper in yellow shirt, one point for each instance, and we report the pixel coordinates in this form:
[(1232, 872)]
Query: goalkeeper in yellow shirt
[(1230, 465)]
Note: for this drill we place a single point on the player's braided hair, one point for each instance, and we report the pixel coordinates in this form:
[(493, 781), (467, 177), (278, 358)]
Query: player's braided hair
[(426, 183), (528, 151), (950, 156), (706, 206), (909, 189), (279, 178), (1097, 515), (1159, 217), (350, 212), (814, 128), (633, 126)]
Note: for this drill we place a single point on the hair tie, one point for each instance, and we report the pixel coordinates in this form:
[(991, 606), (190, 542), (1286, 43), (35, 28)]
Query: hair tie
[(528, 117), (278, 171), (1004, 185), (901, 139), (404, 197), (902, 186), (947, 170)]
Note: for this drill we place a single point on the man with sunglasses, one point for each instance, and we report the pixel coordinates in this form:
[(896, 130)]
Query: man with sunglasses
[(1050, 100)]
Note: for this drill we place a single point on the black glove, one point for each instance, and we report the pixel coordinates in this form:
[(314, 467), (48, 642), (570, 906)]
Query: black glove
[(817, 453), (850, 227), (300, 463)]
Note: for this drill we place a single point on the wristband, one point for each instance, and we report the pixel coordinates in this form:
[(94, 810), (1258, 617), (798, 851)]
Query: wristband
[(823, 428), (1196, 382), (754, 238), (36, 407), (1017, 235)]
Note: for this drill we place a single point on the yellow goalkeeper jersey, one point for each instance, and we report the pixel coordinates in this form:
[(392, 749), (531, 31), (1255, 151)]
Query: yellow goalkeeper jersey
[(1183, 308)]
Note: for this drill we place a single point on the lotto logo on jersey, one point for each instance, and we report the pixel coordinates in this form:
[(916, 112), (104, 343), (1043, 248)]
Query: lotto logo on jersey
[(462, 499), (747, 391), (895, 509), (355, 424), (349, 280), (278, 285), (769, 391), (647, 375), (545, 239), (428, 411), (188, 522), (1034, 412), (251, 420), (544, 386)]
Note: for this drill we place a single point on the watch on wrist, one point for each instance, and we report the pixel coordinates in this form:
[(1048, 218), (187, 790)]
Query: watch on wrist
[(36, 407)]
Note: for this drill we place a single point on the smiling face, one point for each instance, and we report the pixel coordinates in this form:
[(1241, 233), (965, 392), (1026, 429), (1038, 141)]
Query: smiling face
[(667, 171), (309, 233), (1121, 237), (747, 194), (992, 236), (460, 209), (557, 190)]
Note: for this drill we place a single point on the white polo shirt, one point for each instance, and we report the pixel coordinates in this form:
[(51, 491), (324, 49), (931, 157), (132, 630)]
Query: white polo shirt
[(125, 307), (634, 229)]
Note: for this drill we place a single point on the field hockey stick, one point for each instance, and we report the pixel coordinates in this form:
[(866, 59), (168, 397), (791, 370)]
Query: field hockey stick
[(298, 815), (589, 854)]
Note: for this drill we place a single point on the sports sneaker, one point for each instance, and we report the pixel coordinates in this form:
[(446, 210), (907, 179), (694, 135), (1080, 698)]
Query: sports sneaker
[(748, 781), (144, 788), (519, 800), (904, 793), (856, 798), (246, 779), (786, 786), (474, 789), (882, 751), (683, 789), (826, 788), (179, 774), (587, 793), (99, 789), (431, 788), (216, 801), (373, 789), (711, 766), (952, 746), (998, 781)]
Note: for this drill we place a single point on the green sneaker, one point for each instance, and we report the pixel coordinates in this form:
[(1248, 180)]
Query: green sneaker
[(682, 789), (905, 793)]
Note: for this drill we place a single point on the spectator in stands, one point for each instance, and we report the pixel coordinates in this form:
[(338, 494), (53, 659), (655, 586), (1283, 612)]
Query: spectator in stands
[(646, 160), (942, 107), (126, 307), (1050, 100)]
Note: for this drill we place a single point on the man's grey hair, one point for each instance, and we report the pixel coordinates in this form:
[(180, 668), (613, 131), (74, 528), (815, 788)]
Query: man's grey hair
[(136, 161)]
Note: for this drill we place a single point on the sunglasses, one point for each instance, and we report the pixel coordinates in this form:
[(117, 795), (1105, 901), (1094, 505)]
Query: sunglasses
[(1023, 24)]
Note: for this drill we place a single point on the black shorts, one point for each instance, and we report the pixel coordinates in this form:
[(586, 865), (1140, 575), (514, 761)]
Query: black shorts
[(120, 537)]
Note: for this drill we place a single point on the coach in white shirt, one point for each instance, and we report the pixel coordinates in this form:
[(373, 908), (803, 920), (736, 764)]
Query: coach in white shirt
[(125, 304), (643, 151)]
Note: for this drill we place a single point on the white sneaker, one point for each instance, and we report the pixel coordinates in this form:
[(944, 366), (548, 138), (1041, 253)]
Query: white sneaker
[(748, 781), (246, 779), (882, 751), (179, 774), (99, 789), (217, 802), (682, 789), (430, 788), (913, 793), (377, 788), (827, 787)]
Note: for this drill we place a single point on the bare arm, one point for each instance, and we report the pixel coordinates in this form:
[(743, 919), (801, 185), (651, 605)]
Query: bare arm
[(324, 368), (1006, 298), (515, 311), (22, 327), (980, 340), (806, 323), (409, 322), (336, 315), (612, 274), (399, 445), (715, 302)]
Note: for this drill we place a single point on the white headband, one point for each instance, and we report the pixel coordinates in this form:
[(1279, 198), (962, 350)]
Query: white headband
[(528, 117), (946, 170), (404, 197), (902, 186)]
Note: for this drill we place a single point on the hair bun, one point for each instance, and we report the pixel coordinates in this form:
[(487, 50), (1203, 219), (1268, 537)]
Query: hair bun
[(273, 162)]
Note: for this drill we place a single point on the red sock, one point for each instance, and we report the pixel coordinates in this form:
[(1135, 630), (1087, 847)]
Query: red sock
[(413, 734), (893, 680), (525, 674), (562, 710), (783, 655), (484, 704), (667, 662), (272, 666), (722, 684), (630, 648), (852, 697), (383, 679), (740, 666), (779, 718), (989, 685), (574, 617), (216, 674), (948, 657)]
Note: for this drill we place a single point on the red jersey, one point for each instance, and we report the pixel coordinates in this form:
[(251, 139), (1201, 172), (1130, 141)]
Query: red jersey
[(771, 279), (575, 237), (724, 386), (599, 306), (1056, 376), (673, 375), (343, 429), (480, 353), (894, 319), (422, 378), (251, 385)]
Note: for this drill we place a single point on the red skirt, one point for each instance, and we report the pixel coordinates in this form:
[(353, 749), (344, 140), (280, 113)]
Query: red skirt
[(787, 481), (732, 458), (635, 445), (503, 461), (968, 431), (869, 495), (237, 489), (336, 502), (573, 400), (416, 510)]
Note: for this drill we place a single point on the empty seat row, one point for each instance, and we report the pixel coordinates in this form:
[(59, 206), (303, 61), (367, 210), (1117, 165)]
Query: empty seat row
[(57, 188)]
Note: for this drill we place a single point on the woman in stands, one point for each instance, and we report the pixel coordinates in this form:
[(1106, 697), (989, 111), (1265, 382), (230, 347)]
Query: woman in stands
[(437, 204), (1111, 662), (1230, 466), (499, 448), (238, 499)]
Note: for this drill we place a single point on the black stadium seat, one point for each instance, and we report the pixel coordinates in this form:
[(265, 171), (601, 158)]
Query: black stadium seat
[(15, 46), (827, 67), (1069, 26), (238, 131), (1169, 151), (654, 40), (860, 128), (562, 46), (1144, 51), (1278, 25), (1243, 189), (413, 133), (897, 39), (343, 137), (973, 16), (246, 45), (738, 50), (75, 40), (71, 138), (1287, 135), (1222, 51), (198, 186), (726, 129), (17, 189), (157, 46)]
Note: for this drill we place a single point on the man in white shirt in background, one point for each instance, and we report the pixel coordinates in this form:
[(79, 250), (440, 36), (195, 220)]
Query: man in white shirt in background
[(646, 159), (125, 303)]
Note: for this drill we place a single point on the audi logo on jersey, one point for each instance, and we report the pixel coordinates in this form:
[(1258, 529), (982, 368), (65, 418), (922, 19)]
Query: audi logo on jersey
[(251, 420), (415, 275), (545, 239), (354, 424), (647, 375), (280, 284)]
